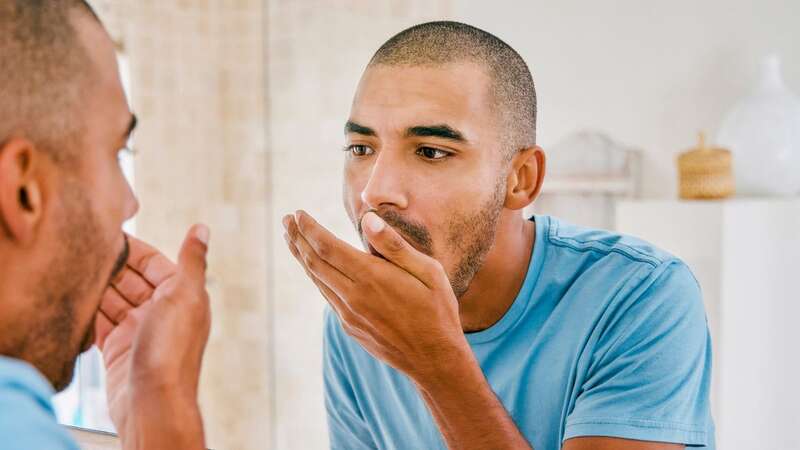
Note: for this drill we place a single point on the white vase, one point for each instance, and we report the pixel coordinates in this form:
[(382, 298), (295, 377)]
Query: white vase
[(763, 133)]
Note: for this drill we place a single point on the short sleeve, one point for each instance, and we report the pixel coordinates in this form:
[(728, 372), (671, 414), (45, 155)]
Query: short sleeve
[(27, 421), (650, 371), (346, 426)]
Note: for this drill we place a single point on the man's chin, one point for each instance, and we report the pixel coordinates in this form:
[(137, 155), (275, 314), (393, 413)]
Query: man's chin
[(65, 378), (68, 370), (88, 338)]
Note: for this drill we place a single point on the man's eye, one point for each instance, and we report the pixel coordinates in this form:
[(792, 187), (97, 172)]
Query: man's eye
[(359, 150), (432, 153)]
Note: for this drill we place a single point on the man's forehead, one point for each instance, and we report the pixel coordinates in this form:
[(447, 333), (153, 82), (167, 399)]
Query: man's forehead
[(107, 101), (404, 96), (97, 44)]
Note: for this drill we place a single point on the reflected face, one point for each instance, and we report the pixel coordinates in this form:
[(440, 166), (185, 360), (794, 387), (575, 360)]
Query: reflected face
[(424, 151), (94, 200)]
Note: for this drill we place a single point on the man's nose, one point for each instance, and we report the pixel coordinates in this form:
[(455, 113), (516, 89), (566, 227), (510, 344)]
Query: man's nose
[(387, 184)]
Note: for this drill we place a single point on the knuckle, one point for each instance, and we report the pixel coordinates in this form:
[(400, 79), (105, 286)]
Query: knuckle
[(146, 261), (435, 267), (120, 316), (395, 244), (348, 329), (323, 250), (310, 262), (352, 331), (347, 316)]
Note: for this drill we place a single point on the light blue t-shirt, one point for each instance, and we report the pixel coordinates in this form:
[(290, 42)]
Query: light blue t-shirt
[(607, 337), (27, 418)]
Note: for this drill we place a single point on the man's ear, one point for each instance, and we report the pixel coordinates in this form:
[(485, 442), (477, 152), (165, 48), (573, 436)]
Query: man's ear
[(21, 208), (525, 178)]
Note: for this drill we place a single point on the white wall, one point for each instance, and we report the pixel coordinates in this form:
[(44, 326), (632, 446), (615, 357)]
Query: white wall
[(651, 74)]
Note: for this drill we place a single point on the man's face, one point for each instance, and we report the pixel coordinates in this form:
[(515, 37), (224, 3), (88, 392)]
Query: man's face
[(425, 152), (85, 221)]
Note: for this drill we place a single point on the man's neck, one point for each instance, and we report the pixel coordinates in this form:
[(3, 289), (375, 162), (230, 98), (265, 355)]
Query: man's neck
[(497, 283)]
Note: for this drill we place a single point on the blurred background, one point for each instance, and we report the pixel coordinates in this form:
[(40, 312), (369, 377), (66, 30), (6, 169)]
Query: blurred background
[(242, 104)]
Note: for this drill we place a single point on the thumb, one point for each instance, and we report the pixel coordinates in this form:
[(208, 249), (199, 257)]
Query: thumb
[(392, 246), (192, 257)]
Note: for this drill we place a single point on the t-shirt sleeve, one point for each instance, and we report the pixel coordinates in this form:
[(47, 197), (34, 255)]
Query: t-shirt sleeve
[(346, 426), (650, 370), (27, 422)]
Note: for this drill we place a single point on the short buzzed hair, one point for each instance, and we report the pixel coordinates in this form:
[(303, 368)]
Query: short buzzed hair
[(43, 70), (445, 42)]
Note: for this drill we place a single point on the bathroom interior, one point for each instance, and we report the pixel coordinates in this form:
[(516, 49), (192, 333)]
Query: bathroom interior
[(241, 106)]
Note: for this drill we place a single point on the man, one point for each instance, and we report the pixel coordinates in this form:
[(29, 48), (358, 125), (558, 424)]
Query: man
[(63, 199), (464, 325)]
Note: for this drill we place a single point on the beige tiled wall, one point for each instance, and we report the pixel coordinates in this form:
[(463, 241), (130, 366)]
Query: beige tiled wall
[(242, 104), (197, 78)]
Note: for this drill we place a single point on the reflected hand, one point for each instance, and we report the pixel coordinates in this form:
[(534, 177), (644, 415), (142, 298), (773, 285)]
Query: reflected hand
[(152, 328)]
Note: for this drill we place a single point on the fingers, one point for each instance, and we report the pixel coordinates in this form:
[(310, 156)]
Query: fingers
[(114, 306), (340, 307), (102, 327), (337, 253), (317, 268), (192, 257), (391, 245), (151, 264), (132, 286)]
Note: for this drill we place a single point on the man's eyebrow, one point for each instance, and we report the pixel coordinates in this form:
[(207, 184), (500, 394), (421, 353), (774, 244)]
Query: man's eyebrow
[(440, 131), (352, 127), (131, 126)]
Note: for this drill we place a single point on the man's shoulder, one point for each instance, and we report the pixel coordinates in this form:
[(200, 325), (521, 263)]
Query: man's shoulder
[(599, 243), (17, 376), (624, 265), (27, 419)]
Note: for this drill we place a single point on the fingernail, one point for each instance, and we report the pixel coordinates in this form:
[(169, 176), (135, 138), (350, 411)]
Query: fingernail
[(202, 234), (373, 223)]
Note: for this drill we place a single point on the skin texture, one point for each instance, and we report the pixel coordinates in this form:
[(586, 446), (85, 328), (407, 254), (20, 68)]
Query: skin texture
[(61, 225), (434, 183)]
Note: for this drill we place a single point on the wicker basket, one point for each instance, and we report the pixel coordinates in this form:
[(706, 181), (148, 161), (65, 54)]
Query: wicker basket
[(705, 172)]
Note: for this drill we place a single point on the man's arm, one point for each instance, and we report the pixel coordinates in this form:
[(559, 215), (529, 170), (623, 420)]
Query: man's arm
[(27, 418), (467, 411), (152, 327)]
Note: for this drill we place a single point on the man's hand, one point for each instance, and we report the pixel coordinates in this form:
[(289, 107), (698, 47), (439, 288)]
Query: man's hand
[(401, 309), (152, 328)]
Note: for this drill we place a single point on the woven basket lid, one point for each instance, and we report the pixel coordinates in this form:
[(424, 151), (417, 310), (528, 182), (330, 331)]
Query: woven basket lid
[(703, 155)]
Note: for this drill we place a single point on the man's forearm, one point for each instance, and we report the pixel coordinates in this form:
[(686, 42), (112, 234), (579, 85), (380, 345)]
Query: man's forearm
[(467, 411), (163, 421)]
